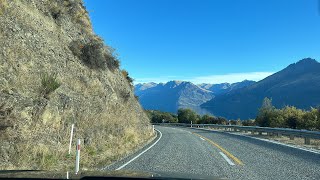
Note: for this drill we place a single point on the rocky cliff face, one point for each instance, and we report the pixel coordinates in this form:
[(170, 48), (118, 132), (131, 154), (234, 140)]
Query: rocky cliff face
[(44, 38)]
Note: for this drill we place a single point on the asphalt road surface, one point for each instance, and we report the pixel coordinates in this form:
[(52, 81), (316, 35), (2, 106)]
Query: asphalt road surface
[(222, 155)]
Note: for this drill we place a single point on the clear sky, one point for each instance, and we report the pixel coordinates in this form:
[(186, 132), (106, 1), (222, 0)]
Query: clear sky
[(207, 41)]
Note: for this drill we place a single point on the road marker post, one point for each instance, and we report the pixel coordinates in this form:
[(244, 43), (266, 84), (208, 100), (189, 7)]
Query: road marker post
[(153, 129), (78, 156), (191, 123), (71, 134), (291, 137), (307, 141)]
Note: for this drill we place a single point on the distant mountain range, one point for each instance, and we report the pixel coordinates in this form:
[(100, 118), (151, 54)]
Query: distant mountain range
[(297, 85), (171, 95), (181, 94), (222, 88)]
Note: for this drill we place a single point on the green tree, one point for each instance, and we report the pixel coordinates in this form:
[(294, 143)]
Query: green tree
[(207, 119), (159, 117), (277, 119), (293, 117), (187, 115), (250, 122), (266, 113), (310, 120), (221, 120)]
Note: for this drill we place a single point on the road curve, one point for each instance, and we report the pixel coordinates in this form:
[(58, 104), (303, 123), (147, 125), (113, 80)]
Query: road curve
[(223, 155)]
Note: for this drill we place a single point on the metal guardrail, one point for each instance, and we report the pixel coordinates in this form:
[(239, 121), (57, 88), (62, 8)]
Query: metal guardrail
[(307, 135)]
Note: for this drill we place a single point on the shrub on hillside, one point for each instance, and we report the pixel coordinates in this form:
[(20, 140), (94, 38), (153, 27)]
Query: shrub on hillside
[(95, 54), (56, 12), (76, 48), (6, 117), (113, 62), (125, 74), (92, 54), (125, 95)]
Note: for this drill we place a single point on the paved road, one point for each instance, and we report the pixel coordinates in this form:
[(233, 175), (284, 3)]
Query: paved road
[(218, 154)]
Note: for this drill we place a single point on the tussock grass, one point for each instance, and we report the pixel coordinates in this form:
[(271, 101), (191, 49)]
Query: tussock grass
[(45, 147), (111, 141), (49, 83), (3, 6), (39, 136)]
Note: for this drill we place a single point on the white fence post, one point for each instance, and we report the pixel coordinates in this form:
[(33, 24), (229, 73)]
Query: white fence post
[(78, 156), (71, 134)]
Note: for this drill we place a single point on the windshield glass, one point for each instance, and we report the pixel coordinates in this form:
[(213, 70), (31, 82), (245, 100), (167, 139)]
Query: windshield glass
[(171, 88)]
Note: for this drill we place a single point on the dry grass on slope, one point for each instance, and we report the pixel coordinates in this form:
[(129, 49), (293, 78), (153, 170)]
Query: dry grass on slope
[(36, 127)]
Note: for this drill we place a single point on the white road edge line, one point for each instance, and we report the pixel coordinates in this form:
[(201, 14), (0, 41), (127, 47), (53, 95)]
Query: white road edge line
[(226, 158), (270, 141), (124, 165)]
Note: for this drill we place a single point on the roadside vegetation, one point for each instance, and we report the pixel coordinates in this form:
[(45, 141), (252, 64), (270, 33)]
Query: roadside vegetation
[(287, 117), (161, 117), (268, 116), (183, 116)]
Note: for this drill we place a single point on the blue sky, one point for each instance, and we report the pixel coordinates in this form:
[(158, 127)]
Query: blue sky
[(207, 41)]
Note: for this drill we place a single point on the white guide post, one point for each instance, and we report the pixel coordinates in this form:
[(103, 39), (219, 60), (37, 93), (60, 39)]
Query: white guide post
[(78, 156), (71, 134)]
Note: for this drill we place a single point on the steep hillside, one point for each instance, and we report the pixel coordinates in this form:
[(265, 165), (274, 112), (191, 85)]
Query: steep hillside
[(297, 85), (54, 71), (171, 96), (225, 87)]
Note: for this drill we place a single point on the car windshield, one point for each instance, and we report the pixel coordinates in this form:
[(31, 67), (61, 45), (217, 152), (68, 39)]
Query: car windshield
[(213, 89)]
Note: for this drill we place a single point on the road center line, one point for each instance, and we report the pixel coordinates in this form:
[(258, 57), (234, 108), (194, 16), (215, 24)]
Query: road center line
[(222, 149), (202, 138), (268, 140), (226, 158), (124, 165)]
